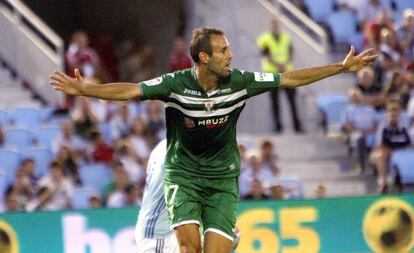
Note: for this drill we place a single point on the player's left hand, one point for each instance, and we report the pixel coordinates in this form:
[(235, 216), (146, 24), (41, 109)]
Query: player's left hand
[(353, 62)]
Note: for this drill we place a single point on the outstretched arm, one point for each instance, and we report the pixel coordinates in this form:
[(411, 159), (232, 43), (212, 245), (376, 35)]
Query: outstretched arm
[(351, 63), (78, 87)]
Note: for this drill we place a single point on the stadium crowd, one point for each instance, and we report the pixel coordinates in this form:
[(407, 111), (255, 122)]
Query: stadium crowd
[(119, 136), (379, 119)]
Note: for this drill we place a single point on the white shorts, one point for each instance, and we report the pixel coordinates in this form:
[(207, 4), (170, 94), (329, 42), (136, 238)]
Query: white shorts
[(168, 244)]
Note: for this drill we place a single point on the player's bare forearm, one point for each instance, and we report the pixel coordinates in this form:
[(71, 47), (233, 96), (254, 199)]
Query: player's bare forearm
[(301, 77), (112, 91), (77, 86), (351, 63)]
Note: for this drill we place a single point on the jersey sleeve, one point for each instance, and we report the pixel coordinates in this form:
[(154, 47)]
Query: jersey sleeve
[(157, 88), (258, 83)]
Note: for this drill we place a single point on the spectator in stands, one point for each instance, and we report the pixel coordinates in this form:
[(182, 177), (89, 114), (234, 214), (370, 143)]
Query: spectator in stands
[(371, 91), (115, 191), (79, 55), (67, 138), (370, 10), (320, 191), (139, 142), (101, 151), (68, 160), (27, 166), (269, 157), (133, 195), (95, 201), (11, 201), (396, 89), (390, 52), (119, 179), (121, 122), (179, 58), (55, 190), (256, 191), (133, 164), (277, 55), (22, 188), (155, 122), (372, 30), (254, 170), (391, 135), (405, 35), (84, 117), (359, 126), (277, 191)]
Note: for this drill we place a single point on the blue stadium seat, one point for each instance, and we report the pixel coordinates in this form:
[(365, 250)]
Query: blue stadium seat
[(95, 176), (334, 112), (9, 161), (357, 40), (331, 107), (343, 25), (46, 113), (4, 118), (323, 101), (404, 4), (18, 138), (45, 135), (42, 156), (27, 117), (320, 10), (402, 161), (80, 197)]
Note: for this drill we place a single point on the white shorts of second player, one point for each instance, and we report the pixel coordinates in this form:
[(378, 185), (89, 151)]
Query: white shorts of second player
[(168, 244)]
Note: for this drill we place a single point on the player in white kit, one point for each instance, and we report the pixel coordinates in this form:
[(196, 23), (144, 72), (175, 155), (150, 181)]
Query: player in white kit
[(152, 232)]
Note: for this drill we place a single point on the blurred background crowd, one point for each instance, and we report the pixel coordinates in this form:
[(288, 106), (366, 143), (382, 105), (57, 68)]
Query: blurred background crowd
[(89, 153)]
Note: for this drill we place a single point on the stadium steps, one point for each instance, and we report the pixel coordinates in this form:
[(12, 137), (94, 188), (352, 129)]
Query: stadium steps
[(12, 92)]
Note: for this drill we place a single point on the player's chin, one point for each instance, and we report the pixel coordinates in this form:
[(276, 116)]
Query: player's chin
[(226, 71)]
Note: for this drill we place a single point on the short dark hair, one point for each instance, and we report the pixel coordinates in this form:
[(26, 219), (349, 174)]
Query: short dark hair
[(201, 41)]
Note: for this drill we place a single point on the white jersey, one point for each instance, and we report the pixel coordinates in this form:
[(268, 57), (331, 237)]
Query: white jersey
[(153, 218)]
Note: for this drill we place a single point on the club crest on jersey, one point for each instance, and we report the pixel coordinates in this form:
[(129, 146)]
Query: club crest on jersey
[(189, 123), (154, 81), (209, 105), (263, 77)]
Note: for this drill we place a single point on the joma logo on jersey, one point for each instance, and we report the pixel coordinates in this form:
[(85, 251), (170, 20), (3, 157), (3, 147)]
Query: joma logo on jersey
[(211, 123), (192, 92)]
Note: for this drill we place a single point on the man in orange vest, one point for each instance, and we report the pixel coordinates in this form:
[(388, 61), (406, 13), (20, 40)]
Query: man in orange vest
[(277, 51)]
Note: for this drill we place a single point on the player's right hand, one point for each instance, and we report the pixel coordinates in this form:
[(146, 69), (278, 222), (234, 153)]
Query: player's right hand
[(62, 82)]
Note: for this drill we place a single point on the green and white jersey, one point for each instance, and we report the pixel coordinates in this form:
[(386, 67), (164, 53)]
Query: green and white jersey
[(201, 127)]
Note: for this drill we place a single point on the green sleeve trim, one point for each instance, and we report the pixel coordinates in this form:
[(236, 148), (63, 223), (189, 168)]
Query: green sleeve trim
[(277, 79)]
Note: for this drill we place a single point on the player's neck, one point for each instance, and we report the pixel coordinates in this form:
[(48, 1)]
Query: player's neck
[(207, 80)]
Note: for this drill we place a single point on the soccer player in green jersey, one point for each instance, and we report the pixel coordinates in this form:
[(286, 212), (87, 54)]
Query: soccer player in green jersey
[(203, 104)]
